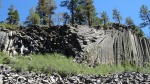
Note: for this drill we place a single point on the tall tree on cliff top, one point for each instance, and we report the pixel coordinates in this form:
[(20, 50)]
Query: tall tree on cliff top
[(95, 19), (13, 16), (129, 21), (89, 10), (33, 18), (46, 9), (117, 16), (71, 5), (104, 17), (79, 13), (145, 16)]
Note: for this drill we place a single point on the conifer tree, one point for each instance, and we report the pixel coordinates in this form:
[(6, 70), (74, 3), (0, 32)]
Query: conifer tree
[(89, 10), (33, 18), (13, 16), (46, 9), (145, 16), (129, 21), (117, 16), (104, 17), (71, 5)]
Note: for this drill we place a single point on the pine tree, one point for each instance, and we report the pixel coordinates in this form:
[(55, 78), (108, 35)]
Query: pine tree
[(145, 16), (81, 11), (117, 16), (10, 14), (95, 19), (33, 18), (71, 5), (89, 10), (104, 17), (13, 16), (129, 21), (46, 9), (79, 15), (16, 17)]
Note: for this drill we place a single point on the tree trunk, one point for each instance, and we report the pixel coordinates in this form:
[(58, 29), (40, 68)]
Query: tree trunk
[(118, 19), (50, 18), (104, 21), (89, 19), (72, 11), (44, 20), (11, 21)]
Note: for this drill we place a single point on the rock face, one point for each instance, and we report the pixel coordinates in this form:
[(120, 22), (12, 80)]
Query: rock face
[(115, 45), (8, 76)]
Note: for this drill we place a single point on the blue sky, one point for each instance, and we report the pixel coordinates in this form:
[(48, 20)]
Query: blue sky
[(126, 8)]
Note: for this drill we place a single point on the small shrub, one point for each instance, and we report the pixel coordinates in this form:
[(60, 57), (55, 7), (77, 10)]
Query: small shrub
[(8, 26), (30, 67), (106, 26), (100, 26), (18, 68), (121, 29), (64, 73), (47, 70), (6, 60)]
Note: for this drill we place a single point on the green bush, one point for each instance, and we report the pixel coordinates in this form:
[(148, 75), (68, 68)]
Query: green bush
[(8, 26)]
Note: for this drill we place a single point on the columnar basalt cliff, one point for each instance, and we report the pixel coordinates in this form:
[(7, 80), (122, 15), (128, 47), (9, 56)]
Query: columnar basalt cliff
[(114, 45)]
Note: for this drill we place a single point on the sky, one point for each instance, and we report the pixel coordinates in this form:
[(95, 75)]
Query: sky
[(125, 7)]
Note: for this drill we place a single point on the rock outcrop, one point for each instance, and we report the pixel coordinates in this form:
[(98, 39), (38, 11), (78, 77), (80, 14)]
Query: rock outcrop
[(8, 76), (115, 45)]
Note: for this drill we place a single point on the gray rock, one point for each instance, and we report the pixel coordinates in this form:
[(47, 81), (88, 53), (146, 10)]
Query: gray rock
[(1, 79), (21, 79)]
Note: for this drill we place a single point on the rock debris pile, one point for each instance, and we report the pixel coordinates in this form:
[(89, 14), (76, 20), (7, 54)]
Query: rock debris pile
[(8, 76)]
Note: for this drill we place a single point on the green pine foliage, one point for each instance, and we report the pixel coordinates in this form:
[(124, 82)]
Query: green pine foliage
[(13, 16), (104, 17), (129, 21), (89, 10), (82, 11), (8, 26), (117, 16), (45, 10), (70, 5), (33, 18), (145, 16)]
